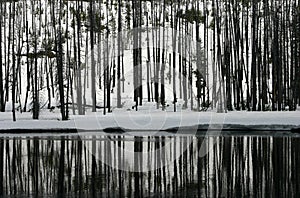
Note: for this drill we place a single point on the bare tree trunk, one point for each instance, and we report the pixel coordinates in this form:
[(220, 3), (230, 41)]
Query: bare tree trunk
[(93, 73), (2, 102), (140, 54), (119, 34), (148, 60), (68, 69), (254, 52), (174, 35), (7, 67), (60, 70), (28, 69), (78, 73), (36, 104), (162, 74), (135, 11), (108, 75), (47, 70), (184, 60), (199, 62), (180, 57), (13, 65), (105, 68)]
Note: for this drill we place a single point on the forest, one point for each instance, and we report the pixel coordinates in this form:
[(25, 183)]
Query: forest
[(80, 55)]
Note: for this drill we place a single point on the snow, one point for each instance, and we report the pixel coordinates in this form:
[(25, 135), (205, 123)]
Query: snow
[(150, 119)]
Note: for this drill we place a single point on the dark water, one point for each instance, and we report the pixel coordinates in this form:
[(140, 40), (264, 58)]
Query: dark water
[(236, 166)]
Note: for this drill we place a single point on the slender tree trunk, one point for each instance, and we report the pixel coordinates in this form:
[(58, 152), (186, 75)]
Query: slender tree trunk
[(2, 102), (119, 34), (254, 54), (78, 73), (28, 69), (68, 68), (136, 23), (7, 65), (13, 66), (108, 73), (265, 57), (184, 64), (198, 61), (140, 55), (174, 35), (148, 60), (162, 74), (36, 105), (60, 70), (93, 66)]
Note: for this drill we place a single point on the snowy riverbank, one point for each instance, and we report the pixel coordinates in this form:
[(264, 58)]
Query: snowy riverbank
[(153, 120)]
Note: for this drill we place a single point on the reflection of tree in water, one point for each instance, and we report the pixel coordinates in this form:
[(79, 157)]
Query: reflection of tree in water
[(236, 166)]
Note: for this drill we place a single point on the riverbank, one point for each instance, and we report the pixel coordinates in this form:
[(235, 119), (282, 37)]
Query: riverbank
[(153, 120)]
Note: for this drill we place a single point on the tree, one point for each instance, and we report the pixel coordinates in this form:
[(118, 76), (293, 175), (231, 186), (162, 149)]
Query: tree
[(2, 101), (119, 105), (60, 67), (13, 63), (78, 61)]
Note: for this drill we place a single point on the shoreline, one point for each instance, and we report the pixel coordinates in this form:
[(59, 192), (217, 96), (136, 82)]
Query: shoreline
[(200, 129), (121, 121)]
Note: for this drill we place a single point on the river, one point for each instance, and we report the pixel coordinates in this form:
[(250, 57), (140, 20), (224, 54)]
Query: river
[(149, 166)]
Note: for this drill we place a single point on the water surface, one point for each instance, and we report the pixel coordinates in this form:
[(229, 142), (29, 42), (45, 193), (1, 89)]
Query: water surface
[(236, 166)]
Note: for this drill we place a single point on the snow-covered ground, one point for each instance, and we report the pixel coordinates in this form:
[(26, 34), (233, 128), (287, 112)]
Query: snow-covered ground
[(149, 118)]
